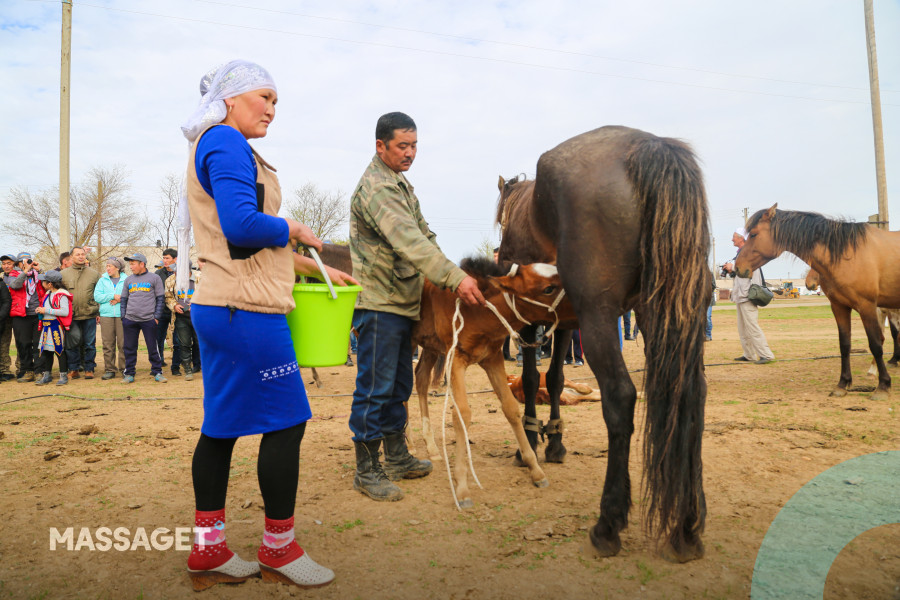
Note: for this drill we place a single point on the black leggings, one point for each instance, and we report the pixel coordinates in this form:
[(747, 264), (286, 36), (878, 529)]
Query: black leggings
[(277, 469)]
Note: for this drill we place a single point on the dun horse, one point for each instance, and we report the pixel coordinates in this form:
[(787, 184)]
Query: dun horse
[(891, 314), (857, 267), (624, 215)]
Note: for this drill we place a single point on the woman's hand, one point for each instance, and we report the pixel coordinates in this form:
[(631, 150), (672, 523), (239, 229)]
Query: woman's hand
[(40, 310), (303, 234)]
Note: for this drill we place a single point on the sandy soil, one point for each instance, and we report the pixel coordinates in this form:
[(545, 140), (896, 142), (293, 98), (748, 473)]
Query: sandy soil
[(111, 455)]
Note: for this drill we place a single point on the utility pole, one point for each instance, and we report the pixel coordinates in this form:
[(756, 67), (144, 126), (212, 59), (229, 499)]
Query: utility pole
[(99, 217), (875, 91), (746, 215), (64, 77)]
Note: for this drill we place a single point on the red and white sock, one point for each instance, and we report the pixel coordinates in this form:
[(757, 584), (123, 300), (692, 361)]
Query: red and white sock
[(210, 550), (279, 547)]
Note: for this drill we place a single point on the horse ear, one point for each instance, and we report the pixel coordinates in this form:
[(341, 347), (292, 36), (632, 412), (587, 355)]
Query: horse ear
[(770, 214), (501, 183)]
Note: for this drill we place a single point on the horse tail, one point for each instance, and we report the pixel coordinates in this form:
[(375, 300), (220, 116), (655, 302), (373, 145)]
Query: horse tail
[(676, 289)]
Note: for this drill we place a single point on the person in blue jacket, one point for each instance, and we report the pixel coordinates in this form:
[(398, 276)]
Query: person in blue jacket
[(107, 294)]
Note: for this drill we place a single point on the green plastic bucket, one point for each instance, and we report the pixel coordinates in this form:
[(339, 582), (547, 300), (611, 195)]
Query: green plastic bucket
[(320, 325)]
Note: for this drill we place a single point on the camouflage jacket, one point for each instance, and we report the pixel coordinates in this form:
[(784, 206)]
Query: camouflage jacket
[(391, 245)]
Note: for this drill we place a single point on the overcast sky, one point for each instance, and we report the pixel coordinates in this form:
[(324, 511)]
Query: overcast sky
[(773, 95)]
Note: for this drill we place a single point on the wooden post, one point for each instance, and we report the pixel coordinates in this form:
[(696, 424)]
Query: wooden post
[(65, 239), (875, 90)]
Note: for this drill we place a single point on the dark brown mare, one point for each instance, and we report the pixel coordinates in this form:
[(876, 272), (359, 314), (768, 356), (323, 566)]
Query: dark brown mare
[(624, 215), (857, 267)]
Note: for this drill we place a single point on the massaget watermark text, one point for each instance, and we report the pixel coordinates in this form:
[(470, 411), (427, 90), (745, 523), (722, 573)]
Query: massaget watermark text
[(103, 539)]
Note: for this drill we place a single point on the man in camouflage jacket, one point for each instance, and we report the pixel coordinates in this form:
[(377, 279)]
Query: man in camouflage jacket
[(392, 250)]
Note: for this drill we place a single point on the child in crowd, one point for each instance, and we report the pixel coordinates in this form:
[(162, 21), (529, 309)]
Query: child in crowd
[(55, 318)]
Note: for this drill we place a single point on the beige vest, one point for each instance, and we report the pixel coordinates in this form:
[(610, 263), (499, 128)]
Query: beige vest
[(256, 280)]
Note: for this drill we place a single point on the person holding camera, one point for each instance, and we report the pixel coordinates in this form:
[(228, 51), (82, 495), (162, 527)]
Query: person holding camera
[(81, 340), (27, 294), (753, 340)]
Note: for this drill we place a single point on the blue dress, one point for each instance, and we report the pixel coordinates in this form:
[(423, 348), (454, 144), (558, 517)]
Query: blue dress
[(251, 381)]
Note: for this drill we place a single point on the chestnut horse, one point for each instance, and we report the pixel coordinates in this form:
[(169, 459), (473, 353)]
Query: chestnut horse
[(481, 342), (857, 267), (624, 215)]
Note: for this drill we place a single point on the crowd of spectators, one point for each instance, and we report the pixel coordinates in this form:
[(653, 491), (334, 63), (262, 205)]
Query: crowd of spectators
[(55, 313)]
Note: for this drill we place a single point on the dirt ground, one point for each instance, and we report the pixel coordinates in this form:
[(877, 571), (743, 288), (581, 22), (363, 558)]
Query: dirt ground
[(111, 455)]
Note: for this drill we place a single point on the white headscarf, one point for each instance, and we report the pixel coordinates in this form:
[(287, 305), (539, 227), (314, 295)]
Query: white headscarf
[(226, 81), (741, 232)]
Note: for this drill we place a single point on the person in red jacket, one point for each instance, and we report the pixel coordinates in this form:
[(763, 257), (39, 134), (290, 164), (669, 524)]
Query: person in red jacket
[(56, 318), (27, 294)]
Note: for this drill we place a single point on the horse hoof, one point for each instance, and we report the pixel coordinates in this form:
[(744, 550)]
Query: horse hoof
[(603, 547), (880, 395), (542, 483), (838, 393), (466, 503), (556, 457), (686, 554), (517, 460)]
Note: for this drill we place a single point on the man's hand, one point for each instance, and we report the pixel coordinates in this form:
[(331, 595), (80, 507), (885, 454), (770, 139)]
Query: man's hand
[(340, 278), (303, 234), (40, 310), (729, 266), (179, 309), (469, 292)]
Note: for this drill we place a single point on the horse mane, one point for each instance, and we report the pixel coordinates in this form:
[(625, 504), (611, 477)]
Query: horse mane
[(800, 232), (480, 267), (514, 192)]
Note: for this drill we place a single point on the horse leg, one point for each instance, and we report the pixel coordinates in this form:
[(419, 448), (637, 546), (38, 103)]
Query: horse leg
[(600, 340), (842, 316), (895, 331), (496, 371), (461, 467), (555, 451), (531, 380), (875, 334), (427, 360)]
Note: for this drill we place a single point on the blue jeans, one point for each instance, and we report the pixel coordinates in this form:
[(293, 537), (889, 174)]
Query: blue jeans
[(82, 335), (132, 329), (163, 328), (709, 322), (384, 376)]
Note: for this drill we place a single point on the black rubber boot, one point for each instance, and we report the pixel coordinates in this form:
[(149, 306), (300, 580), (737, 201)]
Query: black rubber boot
[(370, 478), (398, 462)]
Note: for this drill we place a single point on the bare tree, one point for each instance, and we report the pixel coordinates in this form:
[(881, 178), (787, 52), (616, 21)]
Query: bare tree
[(100, 215), (323, 212), (485, 248), (165, 225)]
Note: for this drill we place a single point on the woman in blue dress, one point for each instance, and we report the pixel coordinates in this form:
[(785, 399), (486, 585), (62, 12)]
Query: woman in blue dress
[(251, 380)]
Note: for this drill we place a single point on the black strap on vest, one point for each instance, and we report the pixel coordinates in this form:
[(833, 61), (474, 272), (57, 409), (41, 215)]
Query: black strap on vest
[(237, 252)]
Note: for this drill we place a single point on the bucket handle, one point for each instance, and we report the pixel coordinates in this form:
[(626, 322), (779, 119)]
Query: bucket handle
[(315, 255)]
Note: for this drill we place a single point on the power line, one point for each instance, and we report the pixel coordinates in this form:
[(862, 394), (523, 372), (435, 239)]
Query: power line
[(527, 46), (472, 57)]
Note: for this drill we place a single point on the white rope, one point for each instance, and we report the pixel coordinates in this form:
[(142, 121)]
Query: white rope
[(448, 397)]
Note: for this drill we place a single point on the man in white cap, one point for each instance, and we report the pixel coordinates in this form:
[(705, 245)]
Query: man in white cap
[(753, 341)]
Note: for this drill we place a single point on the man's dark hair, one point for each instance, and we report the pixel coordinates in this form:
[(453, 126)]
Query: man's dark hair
[(170, 252), (387, 124), (64, 256), (74, 248)]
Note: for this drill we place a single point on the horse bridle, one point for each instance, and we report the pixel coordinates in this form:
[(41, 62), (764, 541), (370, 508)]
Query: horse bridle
[(511, 303)]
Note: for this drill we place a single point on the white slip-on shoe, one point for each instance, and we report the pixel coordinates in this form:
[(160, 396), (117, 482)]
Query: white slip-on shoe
[(303, 572), (234, 570)]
